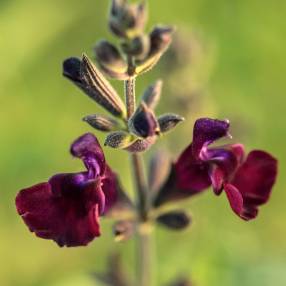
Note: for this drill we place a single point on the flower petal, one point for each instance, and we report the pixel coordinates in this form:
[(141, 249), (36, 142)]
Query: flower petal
[(191, 174), (70, 220), (110, 188), (235, 198), (217, 177), (254, 180), (206, 131), (67, 184), (88, 149), (224, 162), (238, 151)]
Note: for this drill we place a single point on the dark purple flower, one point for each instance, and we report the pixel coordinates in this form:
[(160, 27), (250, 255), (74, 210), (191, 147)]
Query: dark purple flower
[(247, 182), (66, 209)]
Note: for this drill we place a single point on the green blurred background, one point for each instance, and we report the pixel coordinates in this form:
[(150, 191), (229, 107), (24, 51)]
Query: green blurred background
[(40, 115)]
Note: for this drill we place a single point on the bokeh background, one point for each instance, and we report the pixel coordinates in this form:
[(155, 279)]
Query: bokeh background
[(237, 71)]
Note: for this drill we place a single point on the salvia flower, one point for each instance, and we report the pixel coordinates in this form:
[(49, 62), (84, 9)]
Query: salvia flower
[(67, 208), (247, 182)]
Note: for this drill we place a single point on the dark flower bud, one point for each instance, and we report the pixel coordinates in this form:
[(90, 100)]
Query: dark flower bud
[(119, 140), (160, 39), (137, 47), (110, 60), (169, 121), (123, 230), (143, 123), (71, 69), (102, 122), (86, 76), (175, 220), (152, 94), (100, 89), (127, 20), (159, 169)]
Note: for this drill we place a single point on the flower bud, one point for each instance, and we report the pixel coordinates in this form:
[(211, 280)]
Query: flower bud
[(102, 122), (119, 140), (137, 47), (160, 39), (71, 69), (86, 76), (175, 220), (152, 94), (127, 20), (143, 123), (169, 121), (110, 60)]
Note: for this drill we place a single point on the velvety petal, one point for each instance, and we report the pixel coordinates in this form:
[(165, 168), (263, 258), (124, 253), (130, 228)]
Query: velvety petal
[(238, 151), (223, 164), (110, 187), (70, 219), (88, 149), (235, 198), (191, 174), (206, 131), (217, 177), (225, 159), (254, 180), (67, 184)]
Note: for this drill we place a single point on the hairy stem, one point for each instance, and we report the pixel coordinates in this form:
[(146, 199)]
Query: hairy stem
[(129, 86), (144, 256)]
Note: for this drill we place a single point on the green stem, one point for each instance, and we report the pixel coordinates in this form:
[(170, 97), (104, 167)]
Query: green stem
[(144, 253)]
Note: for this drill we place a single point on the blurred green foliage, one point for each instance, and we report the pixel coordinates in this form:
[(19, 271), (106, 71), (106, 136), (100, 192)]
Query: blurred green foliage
[(40, 115)]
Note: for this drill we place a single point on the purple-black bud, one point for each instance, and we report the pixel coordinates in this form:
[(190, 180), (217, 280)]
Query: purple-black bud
[(127, 20), (160, 39), (71, 69), (169, 121), (144, 123), (102, 122), (99, 89), (88, 78), (175, 220), (110, 60)]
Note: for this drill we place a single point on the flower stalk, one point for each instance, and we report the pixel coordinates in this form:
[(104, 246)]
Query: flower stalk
[(143, 251)]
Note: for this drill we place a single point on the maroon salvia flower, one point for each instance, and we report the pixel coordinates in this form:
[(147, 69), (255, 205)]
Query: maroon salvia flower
[(246, 182), (66, 209)]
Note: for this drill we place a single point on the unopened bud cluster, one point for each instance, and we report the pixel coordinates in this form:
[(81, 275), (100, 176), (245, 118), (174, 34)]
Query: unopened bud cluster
[(136, 53)]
